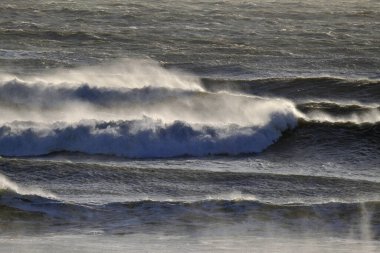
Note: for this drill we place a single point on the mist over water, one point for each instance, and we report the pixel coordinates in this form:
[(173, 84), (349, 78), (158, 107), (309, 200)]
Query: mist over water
[(166, 126)]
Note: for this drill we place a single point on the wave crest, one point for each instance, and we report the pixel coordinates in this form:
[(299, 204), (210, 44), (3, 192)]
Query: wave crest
[(139, 138), (125, 73)]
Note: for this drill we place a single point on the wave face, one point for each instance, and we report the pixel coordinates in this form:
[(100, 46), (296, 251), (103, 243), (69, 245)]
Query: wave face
[(138, 138)]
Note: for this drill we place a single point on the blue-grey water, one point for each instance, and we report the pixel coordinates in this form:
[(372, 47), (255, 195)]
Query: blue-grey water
[(189, 126)]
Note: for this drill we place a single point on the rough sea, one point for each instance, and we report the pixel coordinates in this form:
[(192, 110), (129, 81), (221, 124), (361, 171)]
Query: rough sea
[(189, 126)]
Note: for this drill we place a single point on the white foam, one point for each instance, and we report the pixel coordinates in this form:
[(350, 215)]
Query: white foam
[(233, 196), (8, 185)]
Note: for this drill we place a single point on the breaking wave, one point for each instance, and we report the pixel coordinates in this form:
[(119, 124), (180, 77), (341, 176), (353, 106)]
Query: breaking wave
[(134, 109), (119, 74), (138, 138), (137, 108)]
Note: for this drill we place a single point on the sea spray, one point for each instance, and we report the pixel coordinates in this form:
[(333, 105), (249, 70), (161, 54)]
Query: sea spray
[(7, 185)]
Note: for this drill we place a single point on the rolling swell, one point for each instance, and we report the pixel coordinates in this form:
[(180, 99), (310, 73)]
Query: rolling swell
[(349, 147), (133, 183), (303, 88), (200, 202), (342, 132), (334, 218), (337, 109)]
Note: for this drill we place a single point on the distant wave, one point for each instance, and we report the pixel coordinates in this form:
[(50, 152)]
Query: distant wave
[(300, 88), (337, 108), (363, 129), (336, 113)]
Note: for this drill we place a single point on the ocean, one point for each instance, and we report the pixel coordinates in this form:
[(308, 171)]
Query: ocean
[(189, 126)]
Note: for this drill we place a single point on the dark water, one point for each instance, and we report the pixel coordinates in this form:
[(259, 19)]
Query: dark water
[(220, 125)]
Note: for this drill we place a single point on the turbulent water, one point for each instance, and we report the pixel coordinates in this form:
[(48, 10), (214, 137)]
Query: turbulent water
[(189, 126)]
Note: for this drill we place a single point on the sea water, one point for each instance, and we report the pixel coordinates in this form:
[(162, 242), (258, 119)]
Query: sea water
[(189, 126)]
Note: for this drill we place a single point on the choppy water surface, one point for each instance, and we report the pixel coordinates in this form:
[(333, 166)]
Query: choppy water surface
[(218, 125)]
